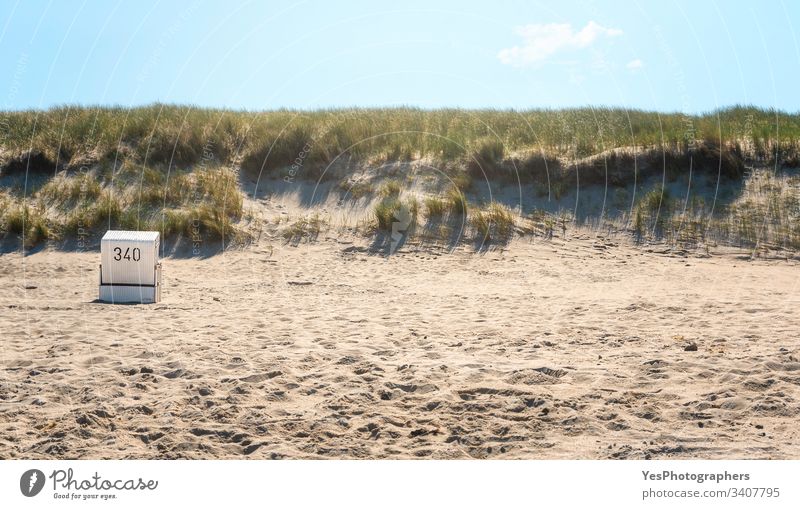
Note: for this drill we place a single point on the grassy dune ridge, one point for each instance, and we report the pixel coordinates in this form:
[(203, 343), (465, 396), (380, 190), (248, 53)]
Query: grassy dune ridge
[(76, 170)]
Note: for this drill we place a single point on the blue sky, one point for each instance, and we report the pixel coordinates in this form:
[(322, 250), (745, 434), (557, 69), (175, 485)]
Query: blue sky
[(668, 56)]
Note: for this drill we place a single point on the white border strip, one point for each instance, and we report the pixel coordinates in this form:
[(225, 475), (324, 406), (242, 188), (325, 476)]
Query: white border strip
[(408, 484)]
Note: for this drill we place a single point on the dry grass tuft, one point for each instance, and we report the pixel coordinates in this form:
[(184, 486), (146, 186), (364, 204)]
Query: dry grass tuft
[(494, 223)]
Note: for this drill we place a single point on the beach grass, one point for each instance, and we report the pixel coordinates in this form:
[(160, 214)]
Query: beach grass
[(183, 136), (180, 169), (493, 223)]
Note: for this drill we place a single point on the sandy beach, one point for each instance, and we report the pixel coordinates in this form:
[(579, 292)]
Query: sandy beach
[(570, 348)]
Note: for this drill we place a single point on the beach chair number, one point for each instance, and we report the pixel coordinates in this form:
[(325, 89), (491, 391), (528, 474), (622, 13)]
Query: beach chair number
[(130, 254)]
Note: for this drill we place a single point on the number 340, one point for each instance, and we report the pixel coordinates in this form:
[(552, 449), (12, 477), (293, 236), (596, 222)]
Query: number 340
[(129, 254)]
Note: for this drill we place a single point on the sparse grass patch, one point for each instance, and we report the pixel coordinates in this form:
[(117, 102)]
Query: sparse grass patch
[(487, 157), (215, 222), (5, 201), (386, 211), (16, 219), (496, 222), (62, 190), (456, 201), (176, 222), (656, 200), (766, 215), (434, 207), (461, 180), (221, 190), (158, 190), (489, 149), (638, 224), (653, 211), (390, 188), (480, 222), (399, 152), (394, 210), (558, 188), (537, 167), (38, 230), (207, 199), (356, 190), (412, 203), (28, 221), (108, 208), (304, 228)]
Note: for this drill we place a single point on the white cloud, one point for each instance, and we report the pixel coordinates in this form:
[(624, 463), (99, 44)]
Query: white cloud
[(542, 41), (634, 65)]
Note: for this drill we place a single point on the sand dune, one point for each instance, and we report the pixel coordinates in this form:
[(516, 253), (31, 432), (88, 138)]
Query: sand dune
[(558, 349)]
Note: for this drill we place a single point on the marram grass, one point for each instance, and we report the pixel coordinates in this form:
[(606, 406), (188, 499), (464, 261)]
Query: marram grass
[(178, 169)]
